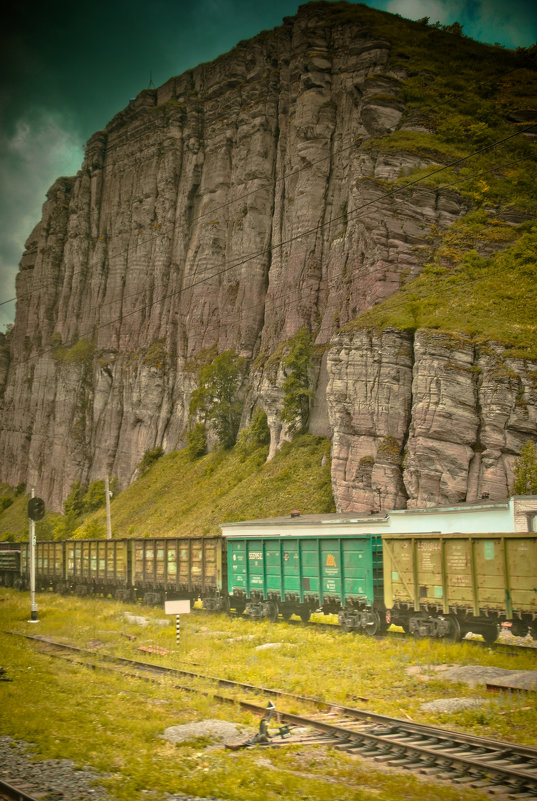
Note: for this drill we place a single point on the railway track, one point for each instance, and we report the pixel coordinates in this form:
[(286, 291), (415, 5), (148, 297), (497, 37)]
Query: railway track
[(505, 769), (10, 793)]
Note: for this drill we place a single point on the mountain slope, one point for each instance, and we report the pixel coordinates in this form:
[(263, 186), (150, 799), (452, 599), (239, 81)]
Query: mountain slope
[(292, 185)]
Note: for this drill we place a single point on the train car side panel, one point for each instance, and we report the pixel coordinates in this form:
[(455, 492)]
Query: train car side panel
[(11, 561), (522, 573), (446, 585)]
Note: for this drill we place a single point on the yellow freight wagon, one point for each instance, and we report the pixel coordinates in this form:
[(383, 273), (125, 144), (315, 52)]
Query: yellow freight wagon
[(446, 585)]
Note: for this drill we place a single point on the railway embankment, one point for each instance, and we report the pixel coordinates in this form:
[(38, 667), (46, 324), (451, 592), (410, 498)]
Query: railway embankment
[(112, 726)]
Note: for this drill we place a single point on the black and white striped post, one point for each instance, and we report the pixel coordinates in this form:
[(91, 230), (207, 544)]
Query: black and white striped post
[(177, 608)]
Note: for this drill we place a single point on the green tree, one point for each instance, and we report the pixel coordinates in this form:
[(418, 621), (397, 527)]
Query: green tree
[(73, 506), (526, 471), (296, 387), (216, 400), (95, 496), (256, 435)]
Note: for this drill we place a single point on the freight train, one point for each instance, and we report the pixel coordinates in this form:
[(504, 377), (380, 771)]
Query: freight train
[(412, 568)]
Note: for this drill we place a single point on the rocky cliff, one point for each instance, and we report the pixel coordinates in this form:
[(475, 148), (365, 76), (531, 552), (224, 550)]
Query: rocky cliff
[(231, 207), (425, 418)]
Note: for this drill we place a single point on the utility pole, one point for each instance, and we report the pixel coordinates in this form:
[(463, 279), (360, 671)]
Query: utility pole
[(108, 519)]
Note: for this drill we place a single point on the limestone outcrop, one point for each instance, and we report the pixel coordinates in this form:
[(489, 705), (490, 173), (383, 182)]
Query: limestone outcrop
[(227, 209), (425, 419)]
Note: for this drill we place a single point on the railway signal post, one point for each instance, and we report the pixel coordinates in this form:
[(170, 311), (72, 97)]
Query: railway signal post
[(177, 608), (36, 511)]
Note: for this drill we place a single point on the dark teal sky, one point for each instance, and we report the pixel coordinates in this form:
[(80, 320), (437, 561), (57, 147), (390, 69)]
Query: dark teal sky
[(68, 68)]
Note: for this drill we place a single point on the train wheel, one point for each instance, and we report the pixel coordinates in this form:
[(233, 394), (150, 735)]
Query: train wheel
[(454, 628), (305, 615), (286, 614), (272, 612), (375, 624)]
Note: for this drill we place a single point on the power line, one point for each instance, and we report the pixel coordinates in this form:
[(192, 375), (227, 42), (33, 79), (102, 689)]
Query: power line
[(254, 191), (310, 231)]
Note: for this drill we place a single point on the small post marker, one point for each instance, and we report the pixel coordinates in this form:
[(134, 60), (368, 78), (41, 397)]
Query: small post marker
[(177, 608)]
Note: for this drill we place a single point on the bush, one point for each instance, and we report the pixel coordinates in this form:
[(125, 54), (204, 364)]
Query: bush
[(216, 399), (526, 471), (197, 442), (256, 435), (4, 503), (149, 458)]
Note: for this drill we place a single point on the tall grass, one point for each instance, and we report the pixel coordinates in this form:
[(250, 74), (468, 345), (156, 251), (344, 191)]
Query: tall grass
[(115, 724)]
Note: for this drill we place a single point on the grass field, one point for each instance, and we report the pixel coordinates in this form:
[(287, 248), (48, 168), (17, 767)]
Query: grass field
[(114, 724)]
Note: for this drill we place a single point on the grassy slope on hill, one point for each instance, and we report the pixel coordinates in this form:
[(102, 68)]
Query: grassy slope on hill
[(487, 298), (462, 98), (179, 497), (183, 498), (14, 518)]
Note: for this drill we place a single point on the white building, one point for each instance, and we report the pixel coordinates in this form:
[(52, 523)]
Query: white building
[(518, 513)]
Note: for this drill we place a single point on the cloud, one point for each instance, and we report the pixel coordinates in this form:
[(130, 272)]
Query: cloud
[(488, 21), (436, 10), (40, 146)]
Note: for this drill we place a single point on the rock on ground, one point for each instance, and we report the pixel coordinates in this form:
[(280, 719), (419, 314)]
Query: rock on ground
[(220, 731)]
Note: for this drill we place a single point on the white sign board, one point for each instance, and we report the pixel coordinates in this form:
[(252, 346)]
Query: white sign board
[(177, 607)]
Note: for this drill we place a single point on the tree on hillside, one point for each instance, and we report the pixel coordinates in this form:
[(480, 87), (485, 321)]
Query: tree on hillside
[(216, 400), (296, 387), (526, 471)]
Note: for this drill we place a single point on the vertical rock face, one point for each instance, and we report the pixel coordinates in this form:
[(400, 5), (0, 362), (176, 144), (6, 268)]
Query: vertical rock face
[(425, 419), (228, 209)]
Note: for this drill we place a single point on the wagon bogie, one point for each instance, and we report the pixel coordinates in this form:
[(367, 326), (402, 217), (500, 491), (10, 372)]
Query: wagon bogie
[(363, 619)]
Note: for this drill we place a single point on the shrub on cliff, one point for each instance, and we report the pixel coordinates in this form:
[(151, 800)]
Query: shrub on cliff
[(526, 471), (197, 442), (149, 458), (297, 393), (216, 400)]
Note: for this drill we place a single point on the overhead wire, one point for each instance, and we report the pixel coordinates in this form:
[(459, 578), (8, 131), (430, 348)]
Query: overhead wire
[(315, 229), (213, 210)]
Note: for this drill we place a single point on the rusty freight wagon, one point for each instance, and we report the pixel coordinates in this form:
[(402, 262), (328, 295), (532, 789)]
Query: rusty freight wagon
[(97, 567), (446, 585), (178, 568)]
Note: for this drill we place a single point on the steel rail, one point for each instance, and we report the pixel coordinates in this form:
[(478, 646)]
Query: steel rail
[(11, 793), (348, 712), (397, 742)]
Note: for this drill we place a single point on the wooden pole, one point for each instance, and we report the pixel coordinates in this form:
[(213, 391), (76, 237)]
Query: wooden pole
[(108, 518)]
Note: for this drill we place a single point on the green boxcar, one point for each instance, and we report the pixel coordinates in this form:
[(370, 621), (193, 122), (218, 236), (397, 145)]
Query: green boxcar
[(268, 576), (450, 584)]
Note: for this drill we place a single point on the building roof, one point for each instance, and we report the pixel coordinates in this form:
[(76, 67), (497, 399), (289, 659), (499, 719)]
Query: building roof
[(296, 518)]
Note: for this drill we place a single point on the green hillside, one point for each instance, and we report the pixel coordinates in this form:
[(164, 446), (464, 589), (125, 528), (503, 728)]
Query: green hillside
[(472, 109), (488, 299), (180, 497)]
